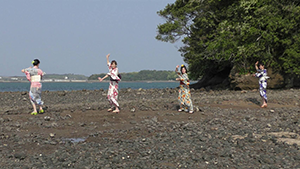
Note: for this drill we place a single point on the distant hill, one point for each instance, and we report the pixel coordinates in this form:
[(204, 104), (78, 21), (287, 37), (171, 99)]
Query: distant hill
[(65, 76), (46, 77), (143, 75)]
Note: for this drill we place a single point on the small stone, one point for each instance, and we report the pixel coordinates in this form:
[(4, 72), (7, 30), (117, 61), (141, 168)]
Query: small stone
[(132, 110), (52, 135), (272, 111), (20, 156), (47, 118)]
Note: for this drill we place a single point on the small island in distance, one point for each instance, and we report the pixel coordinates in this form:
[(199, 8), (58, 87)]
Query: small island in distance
[(143, 75)]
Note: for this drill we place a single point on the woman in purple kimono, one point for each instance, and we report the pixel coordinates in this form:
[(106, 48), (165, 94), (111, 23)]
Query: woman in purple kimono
[(262, 75)]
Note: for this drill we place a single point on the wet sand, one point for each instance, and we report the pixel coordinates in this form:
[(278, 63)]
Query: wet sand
[(228, 130)]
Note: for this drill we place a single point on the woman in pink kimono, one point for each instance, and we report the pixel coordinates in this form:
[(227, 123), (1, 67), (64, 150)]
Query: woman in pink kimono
[(113, 92), (34, 75)]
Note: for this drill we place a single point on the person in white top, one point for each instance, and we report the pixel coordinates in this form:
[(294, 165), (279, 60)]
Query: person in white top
[(113, 92)]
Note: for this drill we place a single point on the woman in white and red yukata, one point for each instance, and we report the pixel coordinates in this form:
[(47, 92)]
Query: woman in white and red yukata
[(184, 96), (113, 92), (34, 75), (262, 75)]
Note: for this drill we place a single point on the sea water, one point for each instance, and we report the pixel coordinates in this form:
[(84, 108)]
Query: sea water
[(69, 86)]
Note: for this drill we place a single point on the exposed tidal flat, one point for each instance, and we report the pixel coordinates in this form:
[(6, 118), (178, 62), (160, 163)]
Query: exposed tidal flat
[(228, 130)]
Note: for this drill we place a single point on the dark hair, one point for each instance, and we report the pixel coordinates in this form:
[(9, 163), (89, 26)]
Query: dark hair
[(183, 66), (35, 62), (113, 61), (261, 64)]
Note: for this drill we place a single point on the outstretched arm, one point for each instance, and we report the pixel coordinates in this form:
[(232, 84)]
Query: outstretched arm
[(107, 58), (102, 78), (178, 73), (256, 67), (176, 70)]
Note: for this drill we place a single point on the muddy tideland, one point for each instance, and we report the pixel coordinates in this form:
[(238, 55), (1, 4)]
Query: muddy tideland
[(227, 130)]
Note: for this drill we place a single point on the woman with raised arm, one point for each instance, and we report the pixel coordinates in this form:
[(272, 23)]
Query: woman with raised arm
[(262, 75), (184, 97), (34, 75), (113, 93)]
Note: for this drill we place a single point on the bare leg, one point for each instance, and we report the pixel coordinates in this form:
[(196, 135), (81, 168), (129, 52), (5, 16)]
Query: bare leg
[(264, 103), (34, 107)]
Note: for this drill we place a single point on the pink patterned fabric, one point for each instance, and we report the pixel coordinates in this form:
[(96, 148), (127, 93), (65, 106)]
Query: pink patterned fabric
[(29, 74), (113, 92)]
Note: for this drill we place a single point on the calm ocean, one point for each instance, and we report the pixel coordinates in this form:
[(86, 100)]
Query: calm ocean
[(59, 86)]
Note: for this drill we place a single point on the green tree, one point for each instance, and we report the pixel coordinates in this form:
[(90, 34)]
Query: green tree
[(222, 33)]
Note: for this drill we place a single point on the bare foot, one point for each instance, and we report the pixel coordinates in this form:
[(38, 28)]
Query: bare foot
[(263, 106), (116, 111)]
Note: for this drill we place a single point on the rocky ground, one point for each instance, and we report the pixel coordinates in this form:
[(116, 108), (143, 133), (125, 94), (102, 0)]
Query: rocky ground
[(228, 130)]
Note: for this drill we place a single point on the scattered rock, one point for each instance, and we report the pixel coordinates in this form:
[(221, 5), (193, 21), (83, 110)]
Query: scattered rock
[(47, 118), (52, 135)]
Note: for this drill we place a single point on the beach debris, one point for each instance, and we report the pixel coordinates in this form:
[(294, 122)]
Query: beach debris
[(52, 135), (47, 118), (132, 110)]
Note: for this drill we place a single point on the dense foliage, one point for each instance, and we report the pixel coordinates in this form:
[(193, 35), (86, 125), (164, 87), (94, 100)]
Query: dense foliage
[(218, 33), (143, 75)]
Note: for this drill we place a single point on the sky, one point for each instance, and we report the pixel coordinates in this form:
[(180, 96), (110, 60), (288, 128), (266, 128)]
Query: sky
[(74, 36)]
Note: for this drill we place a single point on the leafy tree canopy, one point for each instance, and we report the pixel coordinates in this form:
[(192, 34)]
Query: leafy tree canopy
[(218, 33)]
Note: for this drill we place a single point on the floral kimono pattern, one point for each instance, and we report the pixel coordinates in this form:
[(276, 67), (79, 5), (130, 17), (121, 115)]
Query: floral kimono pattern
[(184, 96), (34, 75), (113, 92), (262, 75)]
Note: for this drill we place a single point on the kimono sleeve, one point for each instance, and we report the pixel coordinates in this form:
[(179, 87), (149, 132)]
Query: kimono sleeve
[(259, 73), (113, 73), (179, 74), (185, 79)]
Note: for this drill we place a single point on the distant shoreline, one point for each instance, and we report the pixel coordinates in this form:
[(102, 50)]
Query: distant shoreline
[(91, 81)]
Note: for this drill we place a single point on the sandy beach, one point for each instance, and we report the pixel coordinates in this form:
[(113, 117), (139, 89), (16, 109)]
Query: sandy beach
[(228, 130)]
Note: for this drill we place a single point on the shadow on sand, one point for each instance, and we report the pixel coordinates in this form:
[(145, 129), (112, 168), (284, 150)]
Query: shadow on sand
[(253, 100)]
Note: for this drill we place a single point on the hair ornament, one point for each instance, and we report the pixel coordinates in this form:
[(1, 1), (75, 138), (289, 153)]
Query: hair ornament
[(32, 62), (182, 65)]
